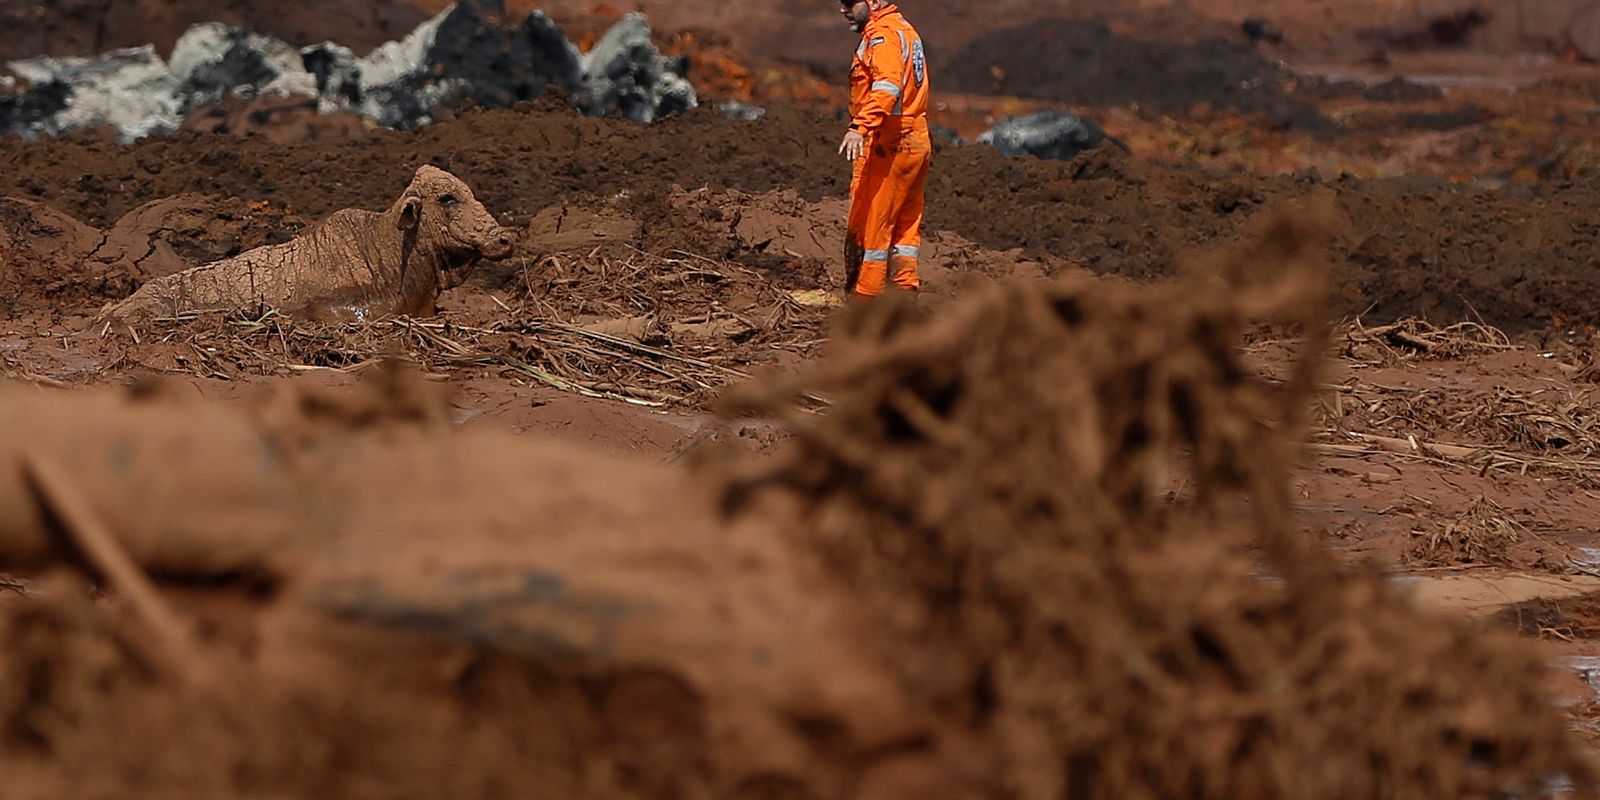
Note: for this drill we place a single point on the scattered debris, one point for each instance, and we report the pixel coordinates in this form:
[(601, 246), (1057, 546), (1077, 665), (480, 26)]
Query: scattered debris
[(1566, 619), (647, 330), (1416, 338), (1052, 134), (1485, 534)]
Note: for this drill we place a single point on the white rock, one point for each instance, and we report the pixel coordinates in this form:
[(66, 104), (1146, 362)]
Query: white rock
[(131, 90)]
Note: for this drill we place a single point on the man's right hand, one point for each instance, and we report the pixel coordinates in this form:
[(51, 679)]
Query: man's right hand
[(854, 146)]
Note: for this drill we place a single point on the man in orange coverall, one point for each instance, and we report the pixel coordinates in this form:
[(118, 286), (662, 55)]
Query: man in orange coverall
[(889, 148)]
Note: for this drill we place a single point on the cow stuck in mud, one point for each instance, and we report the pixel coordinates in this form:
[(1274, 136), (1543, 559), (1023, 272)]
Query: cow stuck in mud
[(353, 265)]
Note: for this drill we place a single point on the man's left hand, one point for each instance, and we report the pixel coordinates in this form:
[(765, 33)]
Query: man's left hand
[(854, 146)]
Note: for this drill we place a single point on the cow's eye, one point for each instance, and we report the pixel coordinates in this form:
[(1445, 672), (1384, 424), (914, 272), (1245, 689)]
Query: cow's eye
[(447, 200)]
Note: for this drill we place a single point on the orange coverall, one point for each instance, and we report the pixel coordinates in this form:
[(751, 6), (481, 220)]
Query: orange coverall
[(889, 106)]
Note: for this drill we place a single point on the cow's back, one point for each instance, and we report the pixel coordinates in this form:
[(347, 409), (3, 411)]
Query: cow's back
[(328, 260)]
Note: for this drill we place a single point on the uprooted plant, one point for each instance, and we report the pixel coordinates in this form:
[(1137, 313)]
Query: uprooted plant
[(1411, 339)]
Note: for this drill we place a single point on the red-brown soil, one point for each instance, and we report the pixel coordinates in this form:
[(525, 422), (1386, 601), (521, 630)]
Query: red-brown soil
[(960, 577), (1000, 532), (1521, 256)]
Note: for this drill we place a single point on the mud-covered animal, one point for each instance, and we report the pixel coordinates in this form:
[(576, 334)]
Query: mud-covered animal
[(353, 265)]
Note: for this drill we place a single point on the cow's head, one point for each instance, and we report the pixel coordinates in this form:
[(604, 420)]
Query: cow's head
[(445, 216)]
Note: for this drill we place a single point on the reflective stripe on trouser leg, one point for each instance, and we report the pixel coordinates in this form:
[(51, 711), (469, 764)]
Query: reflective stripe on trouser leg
[(873, 277), (903, 268)]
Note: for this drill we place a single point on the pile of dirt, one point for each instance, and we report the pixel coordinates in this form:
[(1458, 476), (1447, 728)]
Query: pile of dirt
[(991, 482), (48, 258), (1084, 63), (525, 159), (1567, 618), (42, 252)]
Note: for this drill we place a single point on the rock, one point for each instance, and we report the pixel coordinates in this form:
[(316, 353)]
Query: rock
[(131, 91), (544, 47), (136, 93), (24, 106), (211, 61), (946, 135), (626, 74), (1260, 29), (1051, 134), (1400, 90), (744, 111), (495, 66), (337, 73), (396, 89)]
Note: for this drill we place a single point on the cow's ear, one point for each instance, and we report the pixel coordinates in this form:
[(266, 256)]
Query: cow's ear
[(410, 213)]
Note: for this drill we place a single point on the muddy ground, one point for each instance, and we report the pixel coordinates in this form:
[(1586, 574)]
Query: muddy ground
[(1519, 256), (614, 220), (668, 274)]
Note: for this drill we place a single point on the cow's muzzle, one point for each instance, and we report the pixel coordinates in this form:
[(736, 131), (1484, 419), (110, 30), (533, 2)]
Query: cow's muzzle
[(499, 244)]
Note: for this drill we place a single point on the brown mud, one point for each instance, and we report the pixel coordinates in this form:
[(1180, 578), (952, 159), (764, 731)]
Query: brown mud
[(960, 581), (1520, 256), (938, 581)]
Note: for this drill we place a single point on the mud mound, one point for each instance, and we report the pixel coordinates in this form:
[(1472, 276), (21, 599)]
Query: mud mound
[(990, 482), (525, 160), (1412, 247), (1084, 63), (1568, 618), (777, 238), (42, 252), (277, 118), (47, 255)]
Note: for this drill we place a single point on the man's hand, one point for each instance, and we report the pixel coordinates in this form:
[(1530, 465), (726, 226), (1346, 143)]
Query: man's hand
[(854, 146)]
